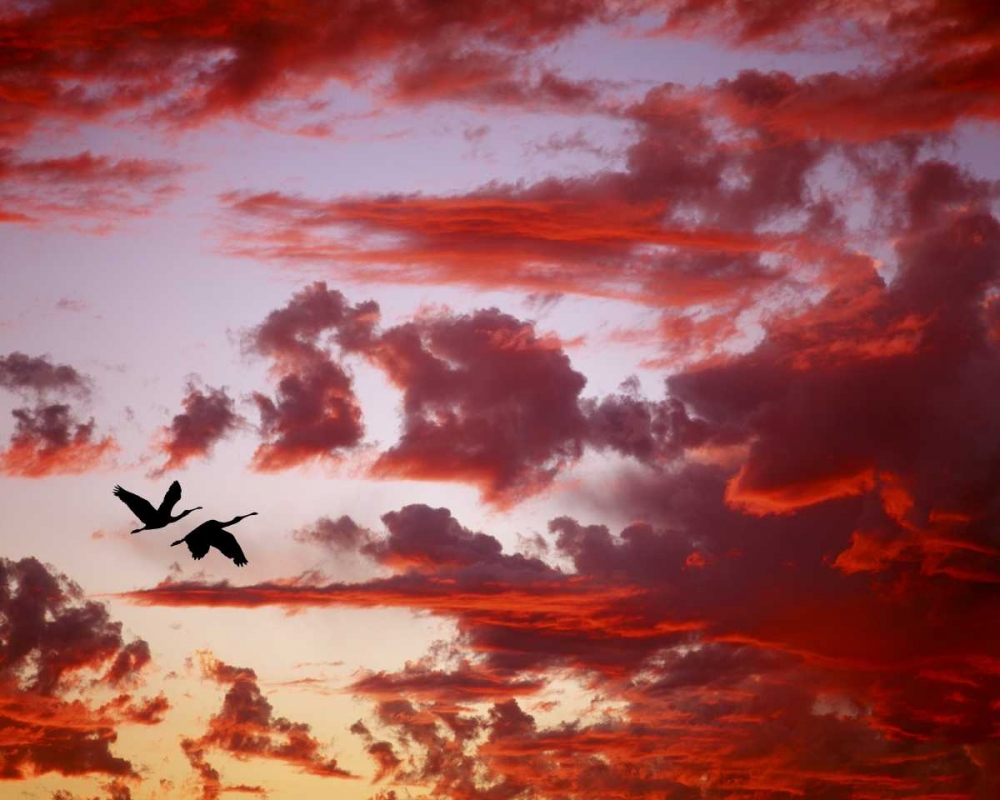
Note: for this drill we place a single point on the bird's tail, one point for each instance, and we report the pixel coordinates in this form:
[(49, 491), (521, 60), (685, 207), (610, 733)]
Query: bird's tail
[(179, 541)]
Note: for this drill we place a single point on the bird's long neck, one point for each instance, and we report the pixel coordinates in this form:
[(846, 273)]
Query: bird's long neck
[(184, 514)]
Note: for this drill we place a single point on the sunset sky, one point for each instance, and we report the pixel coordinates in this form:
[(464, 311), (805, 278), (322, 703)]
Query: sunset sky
[(616, 382)]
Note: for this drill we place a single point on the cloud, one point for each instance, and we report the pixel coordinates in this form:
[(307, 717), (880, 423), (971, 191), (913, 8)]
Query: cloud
[(163, 62), (209, 416), (114, 790), (485, 400), (72, 305), (841, 381), (698, 216), (488, 78), (651, 432), (382, 753), (826, 589), (764, 626), (466, 684), (83, 188), (522, 612), (316, 414), (37, 375), (342, 534), (52, 640), (925, 68), (801, 598), (246, 727), (48, 440)]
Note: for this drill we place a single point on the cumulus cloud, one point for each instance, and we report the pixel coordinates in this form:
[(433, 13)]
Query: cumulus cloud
[(487, 399), (246, 727), (37, 375), (209, 416), (48, 438), (52, 638), (315, 414)]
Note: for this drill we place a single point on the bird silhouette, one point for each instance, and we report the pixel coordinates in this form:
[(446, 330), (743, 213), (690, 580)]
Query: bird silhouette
[(153, 518), (213, 534)]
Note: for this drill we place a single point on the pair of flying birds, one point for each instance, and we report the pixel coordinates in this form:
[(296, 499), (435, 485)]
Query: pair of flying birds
[(209, 534)]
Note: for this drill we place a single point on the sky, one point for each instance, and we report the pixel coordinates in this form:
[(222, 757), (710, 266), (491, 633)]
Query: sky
[(614, 382)]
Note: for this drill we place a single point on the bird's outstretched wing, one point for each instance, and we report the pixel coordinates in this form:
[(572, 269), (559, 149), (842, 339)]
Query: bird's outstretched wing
[(226, 544), (198, 545), (170, 498), (139, 506)]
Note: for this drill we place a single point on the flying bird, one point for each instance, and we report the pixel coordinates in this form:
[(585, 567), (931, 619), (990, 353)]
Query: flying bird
[(153, 518), (213, 534)]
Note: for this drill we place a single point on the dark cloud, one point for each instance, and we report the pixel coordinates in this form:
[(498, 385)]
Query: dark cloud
[(342, 534), (467, 683), (49, 440), (246, 727), (50, 639), (37, 375), (486, 400), (162, 59), (315, 414), (209, 416)]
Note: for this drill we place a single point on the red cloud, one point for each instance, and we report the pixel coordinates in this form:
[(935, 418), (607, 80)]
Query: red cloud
[(517, 608), (208, 417), (115, 790), (651, 432), (49, 441), (936, 62), (715, 721), (920, 98), (813, 621), (316, 414), (83, 187), (584, 234), (692, 220), (832, 399), (52, 639), (489, 78), (382, 753), (164, 58), (485, 401), (757, 696), (466, 684), (931, 61), (518, 611), (245, 727)]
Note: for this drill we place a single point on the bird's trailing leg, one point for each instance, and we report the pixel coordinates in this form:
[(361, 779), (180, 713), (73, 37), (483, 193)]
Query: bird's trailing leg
[(138, 529)]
